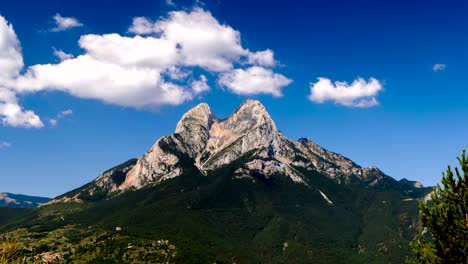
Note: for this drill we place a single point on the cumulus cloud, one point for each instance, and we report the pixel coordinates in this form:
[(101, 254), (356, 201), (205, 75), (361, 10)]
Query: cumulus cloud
[(11, 58), (62, 55), (64, 23), (152, 68), (201, 40), (141, 26), (360, 93), (4, 144), (11, 114), (11, 62), (87, 77), (254, 80), (170, 3), (439, 67), (200, 86), (264, 58), (141, 52), (148, 69), (177, 73)]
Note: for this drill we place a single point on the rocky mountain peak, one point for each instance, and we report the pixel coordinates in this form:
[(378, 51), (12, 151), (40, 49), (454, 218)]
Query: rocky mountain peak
[(250, 114), (249, 127), (194, 128), (211, 143), (372, 175), (200, 115)]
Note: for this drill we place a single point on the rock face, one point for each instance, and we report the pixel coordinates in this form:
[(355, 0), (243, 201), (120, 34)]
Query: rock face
[(211, 143)]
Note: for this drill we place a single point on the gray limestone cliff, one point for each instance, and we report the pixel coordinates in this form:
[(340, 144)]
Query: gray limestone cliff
[(212, 143)]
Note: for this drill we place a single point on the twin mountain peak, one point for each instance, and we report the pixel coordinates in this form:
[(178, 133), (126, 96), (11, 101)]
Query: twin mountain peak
[(249, 135)]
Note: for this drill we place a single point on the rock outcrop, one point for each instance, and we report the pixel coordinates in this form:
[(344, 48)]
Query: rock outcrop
[(211, 143)]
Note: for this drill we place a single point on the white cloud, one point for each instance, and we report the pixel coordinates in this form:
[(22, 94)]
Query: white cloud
[(14, 115), (200, 86), (64, 23), (439, 67), (141, 26), (141, 52), (263, 58), (87, 77), (53, 122), (254, 80), (203, 41), (140, 71), (65, 113), (62, 55), (170, 3), (11, 114), (11, 58), (360, 93), (176, 73), (4, 144), (153, 68), (11, 62)]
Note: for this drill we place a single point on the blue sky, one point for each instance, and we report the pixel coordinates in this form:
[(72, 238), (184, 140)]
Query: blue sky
[(410, 122)]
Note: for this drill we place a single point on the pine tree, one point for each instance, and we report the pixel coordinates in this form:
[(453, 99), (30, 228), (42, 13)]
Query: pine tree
[(443, 231)]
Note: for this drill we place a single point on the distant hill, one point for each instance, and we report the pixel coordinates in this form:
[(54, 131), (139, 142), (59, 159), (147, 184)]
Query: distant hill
[(21, 201), (237, 190)]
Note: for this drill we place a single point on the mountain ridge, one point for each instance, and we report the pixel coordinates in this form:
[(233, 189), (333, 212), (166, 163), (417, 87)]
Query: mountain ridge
[(238, 190), (20, 200), (212, 143)]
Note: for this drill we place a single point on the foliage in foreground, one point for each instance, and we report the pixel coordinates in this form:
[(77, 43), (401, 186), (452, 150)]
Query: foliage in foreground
[(75, 244), (443, 234), (10, 251)]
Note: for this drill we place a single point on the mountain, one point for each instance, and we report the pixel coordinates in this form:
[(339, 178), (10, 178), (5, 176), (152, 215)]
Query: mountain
[(213, 143), (21, 201), (236, 190)]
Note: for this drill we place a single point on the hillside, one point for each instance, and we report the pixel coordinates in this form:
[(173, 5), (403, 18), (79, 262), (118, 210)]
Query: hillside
[(237, 190), (21, 201)]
